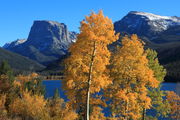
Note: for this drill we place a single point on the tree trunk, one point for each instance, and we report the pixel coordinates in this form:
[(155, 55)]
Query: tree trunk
[(127, 107), (127, 110), (89, 80), (144, 114)]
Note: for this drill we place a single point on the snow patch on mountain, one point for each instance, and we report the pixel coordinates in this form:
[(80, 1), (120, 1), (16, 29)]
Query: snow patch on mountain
[(14, 43), (20, 41), (151, 16), (156, 20)]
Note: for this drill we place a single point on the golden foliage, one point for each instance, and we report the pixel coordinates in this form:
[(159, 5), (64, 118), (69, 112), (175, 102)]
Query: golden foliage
[(59, 110), (21, 79), (69, 114), (3, 111), (4, 84), (174, 101), (29, 107), (131, 75), (97, 114), (96, 32), (2, 101), (31, 82)]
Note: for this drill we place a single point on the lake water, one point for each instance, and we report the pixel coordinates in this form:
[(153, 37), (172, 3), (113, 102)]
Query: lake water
[(52, 85)]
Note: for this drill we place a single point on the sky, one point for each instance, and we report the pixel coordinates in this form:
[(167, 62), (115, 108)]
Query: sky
[(17, 16)]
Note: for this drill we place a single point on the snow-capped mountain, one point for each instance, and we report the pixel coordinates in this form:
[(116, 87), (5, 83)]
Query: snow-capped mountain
[(145, 24), (47, 42)]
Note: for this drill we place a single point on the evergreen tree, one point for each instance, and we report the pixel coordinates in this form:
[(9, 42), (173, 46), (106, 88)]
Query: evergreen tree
[(6, 83), (56, 94), (6, 70)]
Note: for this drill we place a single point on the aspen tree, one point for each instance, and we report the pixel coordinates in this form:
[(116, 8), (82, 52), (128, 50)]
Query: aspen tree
[(85, 68), (130, 74)]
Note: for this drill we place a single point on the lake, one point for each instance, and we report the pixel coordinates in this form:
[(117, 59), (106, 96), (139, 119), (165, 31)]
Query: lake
[(52, 85)]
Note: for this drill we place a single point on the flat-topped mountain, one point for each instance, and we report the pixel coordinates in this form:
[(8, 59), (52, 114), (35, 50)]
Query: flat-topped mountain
[(47, 42)]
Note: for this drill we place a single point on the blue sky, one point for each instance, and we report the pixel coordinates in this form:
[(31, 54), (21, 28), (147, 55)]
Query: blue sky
[(17, 16)]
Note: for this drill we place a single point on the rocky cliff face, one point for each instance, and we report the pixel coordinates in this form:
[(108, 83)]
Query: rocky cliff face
[(145, 24), (47, 42)]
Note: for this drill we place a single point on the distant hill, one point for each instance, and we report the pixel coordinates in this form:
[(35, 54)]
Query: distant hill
[(169, 56), (18, 62)]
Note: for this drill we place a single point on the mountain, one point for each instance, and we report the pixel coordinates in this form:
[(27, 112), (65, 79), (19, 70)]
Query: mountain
[(169, 52), (172, 34), (14, 43), (161, 33), (18, 62), (47, 42), (145, 24)]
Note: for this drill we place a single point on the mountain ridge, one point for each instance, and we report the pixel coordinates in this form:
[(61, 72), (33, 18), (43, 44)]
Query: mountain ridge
[(145, 24)]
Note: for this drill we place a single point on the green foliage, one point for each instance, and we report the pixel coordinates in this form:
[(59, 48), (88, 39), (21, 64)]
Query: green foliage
[(159, 105), (5, 69), (6, 84), (35, 85), (56, 94), (153, 63)]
